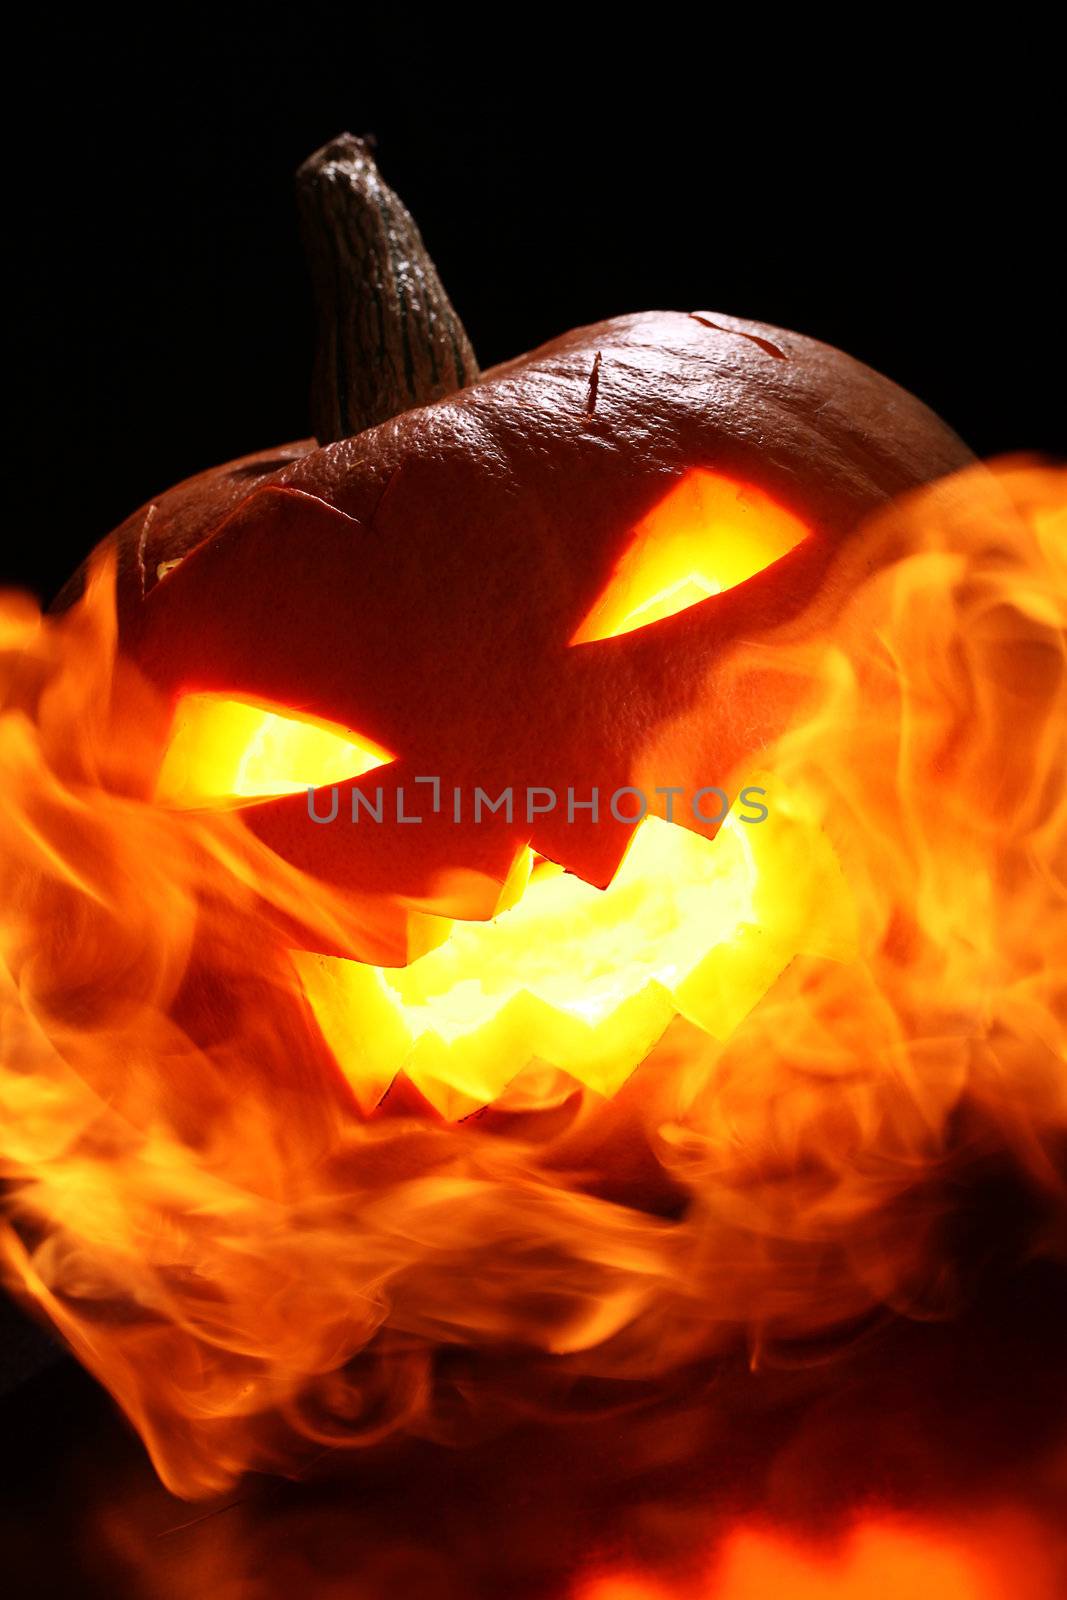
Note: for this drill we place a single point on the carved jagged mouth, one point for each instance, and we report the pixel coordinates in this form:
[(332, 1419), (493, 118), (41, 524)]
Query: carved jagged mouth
[(585, 981), (569, 978)]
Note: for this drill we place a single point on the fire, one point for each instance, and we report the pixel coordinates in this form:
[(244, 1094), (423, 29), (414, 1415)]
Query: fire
[(775, 1045)]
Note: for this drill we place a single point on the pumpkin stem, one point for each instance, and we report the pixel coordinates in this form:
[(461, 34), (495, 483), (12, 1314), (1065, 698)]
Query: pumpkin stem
[(388, 338)]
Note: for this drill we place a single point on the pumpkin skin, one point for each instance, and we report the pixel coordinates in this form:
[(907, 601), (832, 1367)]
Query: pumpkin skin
[(422, 581)]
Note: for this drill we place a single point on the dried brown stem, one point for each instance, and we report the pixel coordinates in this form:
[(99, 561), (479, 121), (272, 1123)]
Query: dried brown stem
[(388, 338)]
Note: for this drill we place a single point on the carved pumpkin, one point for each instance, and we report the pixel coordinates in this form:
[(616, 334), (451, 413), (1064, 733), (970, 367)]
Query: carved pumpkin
[(320, 1130), (526, 585)]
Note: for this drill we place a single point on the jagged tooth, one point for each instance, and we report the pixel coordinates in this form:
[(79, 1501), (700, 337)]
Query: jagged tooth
[(404, 1099)]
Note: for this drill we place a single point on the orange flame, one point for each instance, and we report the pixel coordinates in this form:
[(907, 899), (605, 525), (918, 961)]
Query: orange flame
[(257, 1267)]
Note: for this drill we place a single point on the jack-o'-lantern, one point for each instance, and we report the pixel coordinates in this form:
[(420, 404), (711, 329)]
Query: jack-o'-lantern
[(532, 872), (484, 630)]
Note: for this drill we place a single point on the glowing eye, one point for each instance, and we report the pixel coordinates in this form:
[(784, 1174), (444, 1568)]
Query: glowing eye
[(707, 535), (223, 749)]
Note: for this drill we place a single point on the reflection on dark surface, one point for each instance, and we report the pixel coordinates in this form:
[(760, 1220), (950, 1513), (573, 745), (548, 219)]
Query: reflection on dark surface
[(961, 1421)]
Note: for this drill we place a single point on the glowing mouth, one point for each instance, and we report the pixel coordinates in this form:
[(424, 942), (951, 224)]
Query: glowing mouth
[(586, 980)]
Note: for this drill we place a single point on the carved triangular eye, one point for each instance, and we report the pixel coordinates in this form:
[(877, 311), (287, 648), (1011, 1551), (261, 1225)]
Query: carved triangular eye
[(707, 535), (223, 750)]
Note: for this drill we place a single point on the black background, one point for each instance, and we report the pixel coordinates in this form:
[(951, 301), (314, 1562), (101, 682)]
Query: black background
[(900, 203)]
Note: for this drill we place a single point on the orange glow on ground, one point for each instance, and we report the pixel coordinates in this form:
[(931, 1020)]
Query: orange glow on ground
[(879, 1561)]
